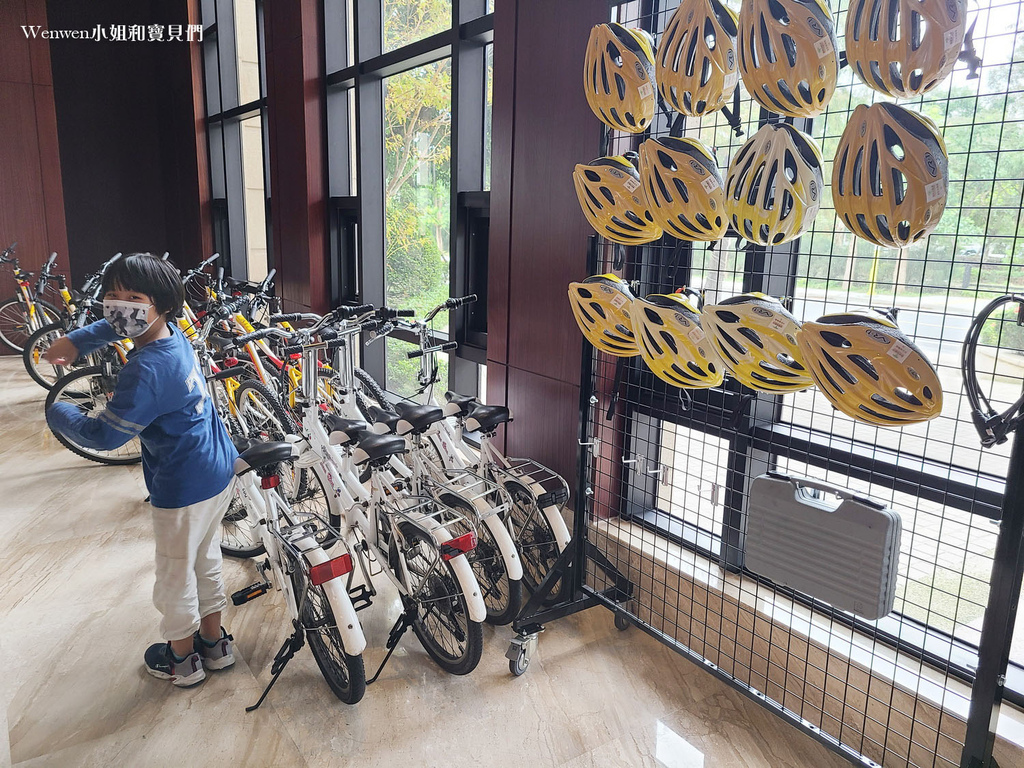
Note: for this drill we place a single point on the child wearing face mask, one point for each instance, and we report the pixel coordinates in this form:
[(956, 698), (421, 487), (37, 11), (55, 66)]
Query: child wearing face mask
[(187, 457)]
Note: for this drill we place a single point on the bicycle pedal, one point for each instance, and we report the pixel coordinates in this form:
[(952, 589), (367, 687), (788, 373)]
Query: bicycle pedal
[(361, 597), (243, 596)]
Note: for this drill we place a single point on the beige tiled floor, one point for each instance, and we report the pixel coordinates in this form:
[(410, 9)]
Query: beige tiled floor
[(75, 617)]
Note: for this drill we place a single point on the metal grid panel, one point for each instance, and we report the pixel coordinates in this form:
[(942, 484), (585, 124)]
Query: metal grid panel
[(670, 472)]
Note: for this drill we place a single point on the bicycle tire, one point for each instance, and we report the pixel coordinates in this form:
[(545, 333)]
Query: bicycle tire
[(14, 328), (502, 596), (238, 535), (373, 389), (445, 604), (250, 392), (97, 390), (44, 374), (344, 674), (535, 540)]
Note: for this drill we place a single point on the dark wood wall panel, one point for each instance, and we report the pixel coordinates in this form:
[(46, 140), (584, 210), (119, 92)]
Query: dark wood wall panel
[(31, 195), (542, 127), (298, 184)]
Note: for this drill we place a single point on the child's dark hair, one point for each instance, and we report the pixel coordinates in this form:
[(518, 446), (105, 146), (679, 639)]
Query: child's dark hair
[(148, 274)]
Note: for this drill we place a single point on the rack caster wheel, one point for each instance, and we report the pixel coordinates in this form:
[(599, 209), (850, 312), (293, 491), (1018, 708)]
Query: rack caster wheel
[(519, 652), (622, 623)]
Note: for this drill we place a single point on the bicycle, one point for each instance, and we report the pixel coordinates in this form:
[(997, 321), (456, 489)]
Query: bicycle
[(26, 312), (318, 604), (380, 522)]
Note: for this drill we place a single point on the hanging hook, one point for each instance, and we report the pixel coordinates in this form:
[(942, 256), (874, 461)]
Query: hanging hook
[(969, 54)]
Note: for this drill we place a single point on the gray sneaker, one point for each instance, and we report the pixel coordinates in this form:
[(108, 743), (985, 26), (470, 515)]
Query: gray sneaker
[(218, 654), (184, 673)]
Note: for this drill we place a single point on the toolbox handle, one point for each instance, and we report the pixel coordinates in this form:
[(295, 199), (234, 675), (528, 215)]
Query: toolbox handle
[(821, 485)]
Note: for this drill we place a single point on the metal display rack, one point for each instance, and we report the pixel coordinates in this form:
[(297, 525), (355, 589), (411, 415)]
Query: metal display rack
[(664, 476)]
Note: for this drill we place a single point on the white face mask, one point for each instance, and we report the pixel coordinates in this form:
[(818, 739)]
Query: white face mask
[(128, 318)]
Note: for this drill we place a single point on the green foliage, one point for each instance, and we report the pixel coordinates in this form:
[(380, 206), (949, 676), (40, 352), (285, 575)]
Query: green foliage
[(1003, 331)]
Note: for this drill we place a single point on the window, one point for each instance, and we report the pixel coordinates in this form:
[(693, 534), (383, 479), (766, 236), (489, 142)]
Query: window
[(236, 132), (408, 139)]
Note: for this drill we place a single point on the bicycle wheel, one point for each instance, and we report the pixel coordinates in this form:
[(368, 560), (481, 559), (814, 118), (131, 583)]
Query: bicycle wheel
[(267, 419), (442, 621), (502, 596), (89, 389), (16, 326), (43, 373), (239, 536), (368, 394), (345, 674), (535, 540)]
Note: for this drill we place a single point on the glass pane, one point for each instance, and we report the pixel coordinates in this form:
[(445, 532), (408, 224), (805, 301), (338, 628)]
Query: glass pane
[(255, 198), (692, 479), (339, 140), (488, 111), (417, 194), (212, 75), (406, 21), (401, 371), (337, 33), (247, 51)]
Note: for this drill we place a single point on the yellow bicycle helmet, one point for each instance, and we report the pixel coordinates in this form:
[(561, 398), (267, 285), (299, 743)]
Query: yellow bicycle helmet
[(618, 77), (773, 190), (756, 339), (602, 305), (788, 55), (697, 70), (890, 176), (673, 344), (904, 48), (684, 188), (870, 370), (613, 200)]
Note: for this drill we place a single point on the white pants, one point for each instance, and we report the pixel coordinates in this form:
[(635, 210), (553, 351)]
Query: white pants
[(189, 585)]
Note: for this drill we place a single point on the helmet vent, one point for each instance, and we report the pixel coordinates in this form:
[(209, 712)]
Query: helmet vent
[(874, 172), (696, 369), (894, 144), (681, 373), (899, 186), (620, 86), (850, 378), (667, 161), (879, 400), (882, 223), (607, 194), (766, 41), (876, 75), (927, 392), (865, 365), (681, 189), (615, 116), (653, 317), (788, 361), (652, 343), (836, 340), (788, 94), (584, 293), (907, 396), (833, 382), (918, 26), (876, 17), (634, 218), (710, 39), (754, 186), (734, 344), (842, 171), (915, 79), (604, 77), (751, 335), (789, 46), (787, 205), (592, 175), (864, 228), (614, 54), (705, 72), (598, 309), (858, 162), (789, 166), (679, 49), (670, 342), (804, 90), (903, 231), (895, 75), (623, 330), (778, 12), (702, 220), (711, 368)]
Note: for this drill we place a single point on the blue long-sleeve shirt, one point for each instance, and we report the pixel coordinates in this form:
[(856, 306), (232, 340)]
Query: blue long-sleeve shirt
[(161, 396)]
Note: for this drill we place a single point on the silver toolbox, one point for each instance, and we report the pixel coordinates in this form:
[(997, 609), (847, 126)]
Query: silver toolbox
[(845, 554)]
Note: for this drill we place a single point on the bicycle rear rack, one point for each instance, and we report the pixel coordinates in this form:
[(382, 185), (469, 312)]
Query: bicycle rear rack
[(549, 488), (473, 488)]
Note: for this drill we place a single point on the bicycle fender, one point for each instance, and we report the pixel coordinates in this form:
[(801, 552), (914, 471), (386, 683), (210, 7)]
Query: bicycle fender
[(463, 572), (552, 514), (341, 605), (506, 545)]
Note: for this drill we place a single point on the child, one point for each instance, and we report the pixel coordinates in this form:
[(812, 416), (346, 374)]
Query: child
[(187, 457)]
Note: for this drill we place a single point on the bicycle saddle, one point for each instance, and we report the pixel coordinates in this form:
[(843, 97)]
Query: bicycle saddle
[(459, 405), (487, 418), (416, 418), (376, 449), (343, 431), (262, 455), (383, 421)]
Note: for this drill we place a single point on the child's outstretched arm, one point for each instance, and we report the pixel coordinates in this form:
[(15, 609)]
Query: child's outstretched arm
[(81, 342), (132, 408)]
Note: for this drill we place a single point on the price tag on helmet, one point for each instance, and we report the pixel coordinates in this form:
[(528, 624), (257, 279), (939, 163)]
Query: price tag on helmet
[(824, 47), (696, 335), (731, 79), (646, 91), (778, 323), (618, 300), (935, 190), (631, 185), (710, 184), (899, 351), (953, 37)]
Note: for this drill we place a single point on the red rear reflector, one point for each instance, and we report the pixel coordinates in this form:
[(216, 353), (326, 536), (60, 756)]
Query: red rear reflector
[(271, 482), (332, 569), (295, 355), (460, 545), (230, 362)]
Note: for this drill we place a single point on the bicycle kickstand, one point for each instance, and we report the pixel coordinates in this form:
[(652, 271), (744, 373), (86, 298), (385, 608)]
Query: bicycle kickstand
[(291, 646), (404, 622)]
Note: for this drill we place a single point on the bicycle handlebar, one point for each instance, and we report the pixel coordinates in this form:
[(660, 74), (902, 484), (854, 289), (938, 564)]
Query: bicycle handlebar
[(449, 304), (388, 313), (446, 347)]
